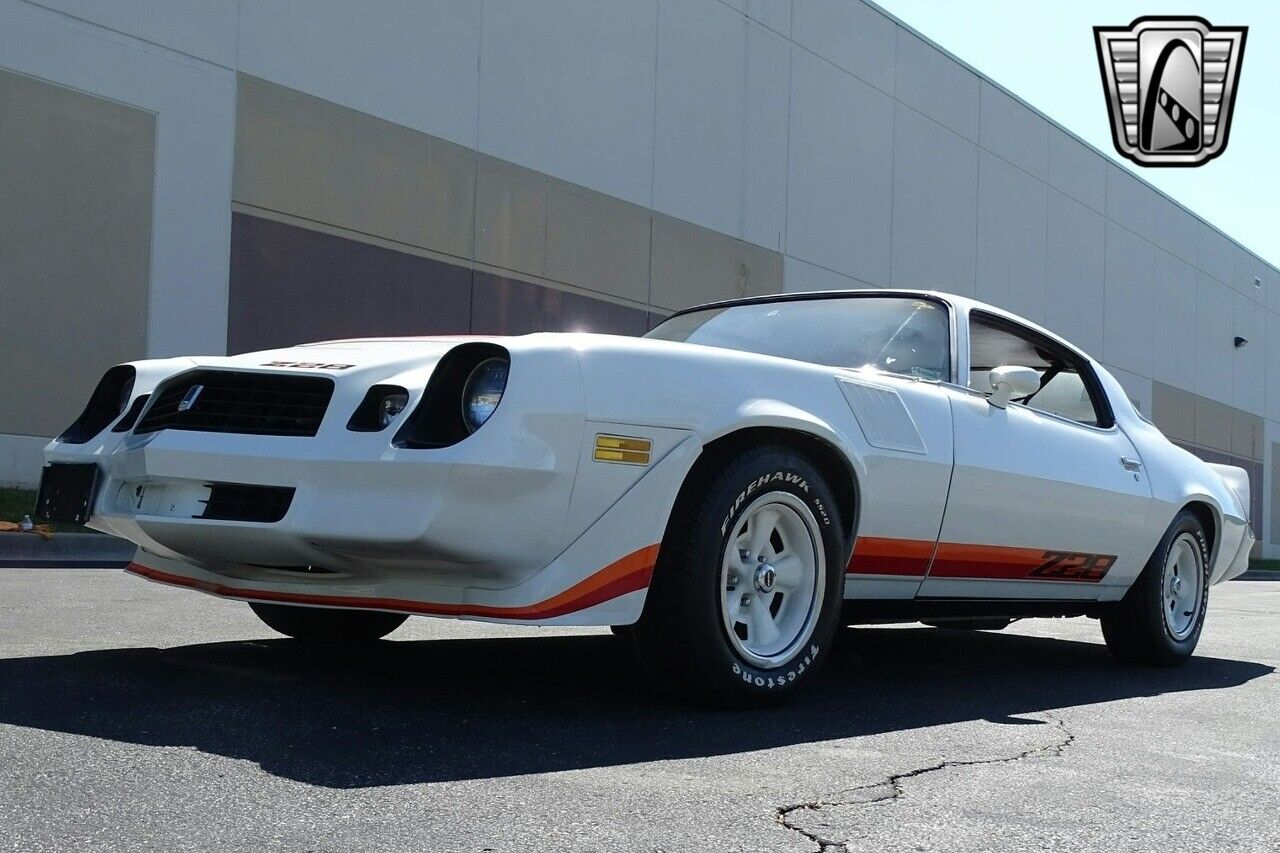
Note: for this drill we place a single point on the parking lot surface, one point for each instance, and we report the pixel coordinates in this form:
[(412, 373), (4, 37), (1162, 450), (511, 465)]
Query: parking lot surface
[(138, 717)]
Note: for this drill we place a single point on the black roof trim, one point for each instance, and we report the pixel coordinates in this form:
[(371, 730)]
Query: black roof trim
[(811, 295)]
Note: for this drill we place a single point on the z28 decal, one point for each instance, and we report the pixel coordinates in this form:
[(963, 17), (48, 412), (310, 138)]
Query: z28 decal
[(307, 365), (1064, 565)]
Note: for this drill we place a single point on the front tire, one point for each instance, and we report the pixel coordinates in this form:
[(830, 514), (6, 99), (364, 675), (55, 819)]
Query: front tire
[(326, 625), (1159, 620), (747, 593)]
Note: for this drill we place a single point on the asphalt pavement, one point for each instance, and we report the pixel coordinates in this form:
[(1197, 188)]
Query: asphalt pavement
[(138, 717)]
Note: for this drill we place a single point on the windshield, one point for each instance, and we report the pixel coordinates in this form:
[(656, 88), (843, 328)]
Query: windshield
[(896, 334)]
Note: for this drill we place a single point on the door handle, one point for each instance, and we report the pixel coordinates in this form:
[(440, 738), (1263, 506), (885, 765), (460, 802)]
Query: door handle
[(1131, 464)]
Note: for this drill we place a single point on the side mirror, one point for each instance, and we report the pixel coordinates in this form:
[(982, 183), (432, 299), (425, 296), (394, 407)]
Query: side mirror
[(1009, 381)]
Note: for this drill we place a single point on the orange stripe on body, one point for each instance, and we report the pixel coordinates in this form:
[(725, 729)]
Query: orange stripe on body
[(628, 574)]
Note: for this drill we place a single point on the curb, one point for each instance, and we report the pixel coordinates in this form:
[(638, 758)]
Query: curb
[(1259, 575), (65, 551)]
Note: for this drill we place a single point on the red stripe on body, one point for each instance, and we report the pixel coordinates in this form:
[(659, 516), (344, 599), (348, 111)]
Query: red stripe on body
[(876, 555), (873, 555), (985, 562)]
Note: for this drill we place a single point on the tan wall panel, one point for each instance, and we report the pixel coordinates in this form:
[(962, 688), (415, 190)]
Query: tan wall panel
[(1213, 424), (313, 159), (1275, 494), (511, 216), (693, 265), (597, 241), (1174, 411), (76, 177)]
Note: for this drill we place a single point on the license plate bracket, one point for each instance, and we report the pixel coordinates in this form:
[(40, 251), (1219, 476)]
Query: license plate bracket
[(67, 491)]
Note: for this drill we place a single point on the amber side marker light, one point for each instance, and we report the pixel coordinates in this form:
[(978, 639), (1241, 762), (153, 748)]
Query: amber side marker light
[(620, 448)]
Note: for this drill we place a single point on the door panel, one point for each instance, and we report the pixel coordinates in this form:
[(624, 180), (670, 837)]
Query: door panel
[(1039, 507)]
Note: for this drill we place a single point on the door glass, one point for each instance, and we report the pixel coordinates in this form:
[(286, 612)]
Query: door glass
[(1064, 387)]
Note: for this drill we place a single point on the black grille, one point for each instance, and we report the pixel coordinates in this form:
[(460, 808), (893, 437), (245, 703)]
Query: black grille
[(250, 403), (237, 502)]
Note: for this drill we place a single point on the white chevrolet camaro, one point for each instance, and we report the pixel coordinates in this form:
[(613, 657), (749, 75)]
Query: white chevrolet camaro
[(723, 492)]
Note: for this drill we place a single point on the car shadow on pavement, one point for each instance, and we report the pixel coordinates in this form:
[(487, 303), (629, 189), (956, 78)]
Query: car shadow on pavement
[(425, 711)]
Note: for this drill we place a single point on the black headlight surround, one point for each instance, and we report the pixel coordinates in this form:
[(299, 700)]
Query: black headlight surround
[(367, 416), (438, 420), (108, 401)]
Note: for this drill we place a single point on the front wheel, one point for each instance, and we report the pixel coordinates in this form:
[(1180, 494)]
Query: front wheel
[(747, 592), (326, 625), (1159, 620)]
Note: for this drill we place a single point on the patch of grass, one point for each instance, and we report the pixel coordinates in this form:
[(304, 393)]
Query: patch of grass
[(1265, 565), (15, 503)]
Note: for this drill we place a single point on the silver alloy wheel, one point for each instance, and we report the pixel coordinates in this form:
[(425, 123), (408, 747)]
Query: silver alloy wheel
[(1182, 586), (771, 579)]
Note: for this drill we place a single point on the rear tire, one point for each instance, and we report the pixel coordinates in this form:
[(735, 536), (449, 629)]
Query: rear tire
[(748, 588), (325, 625), (1159, 620)]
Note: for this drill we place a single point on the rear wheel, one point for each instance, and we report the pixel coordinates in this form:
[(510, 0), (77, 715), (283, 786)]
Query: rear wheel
[(1159, 620), (748, 588), (325, 625)]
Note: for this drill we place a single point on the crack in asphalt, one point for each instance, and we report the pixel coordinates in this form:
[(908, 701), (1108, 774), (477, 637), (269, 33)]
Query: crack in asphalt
[(890, 789)]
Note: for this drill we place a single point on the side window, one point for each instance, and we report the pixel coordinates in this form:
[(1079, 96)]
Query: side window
[(1068, 388)]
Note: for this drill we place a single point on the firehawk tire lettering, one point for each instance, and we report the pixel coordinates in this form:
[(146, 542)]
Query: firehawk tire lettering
[(782, 476)]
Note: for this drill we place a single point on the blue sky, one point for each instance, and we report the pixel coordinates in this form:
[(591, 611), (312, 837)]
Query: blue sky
[(1043, 51)]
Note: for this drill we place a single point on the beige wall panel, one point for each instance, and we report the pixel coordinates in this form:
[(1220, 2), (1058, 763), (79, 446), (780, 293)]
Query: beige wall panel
[(1213, 424), (692, 265), (307, 157), (597, 241), (511, 216), (1174, 411), (1275, 493), (1246, 434), (76, 177)]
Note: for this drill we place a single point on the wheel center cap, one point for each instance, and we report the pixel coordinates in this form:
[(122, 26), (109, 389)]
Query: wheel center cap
[(1176, 585), (766, 576)]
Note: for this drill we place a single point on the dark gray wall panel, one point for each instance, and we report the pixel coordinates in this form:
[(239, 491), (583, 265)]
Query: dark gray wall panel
[(507, 306), (291, 285)]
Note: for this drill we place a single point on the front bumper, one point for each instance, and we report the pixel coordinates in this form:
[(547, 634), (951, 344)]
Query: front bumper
[(359, 506)]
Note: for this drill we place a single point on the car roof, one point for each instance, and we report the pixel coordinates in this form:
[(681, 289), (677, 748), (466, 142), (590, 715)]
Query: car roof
[(963, 304)]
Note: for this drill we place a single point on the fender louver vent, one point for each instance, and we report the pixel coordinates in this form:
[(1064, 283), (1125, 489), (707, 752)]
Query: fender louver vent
[(231, 401), (883, 417)]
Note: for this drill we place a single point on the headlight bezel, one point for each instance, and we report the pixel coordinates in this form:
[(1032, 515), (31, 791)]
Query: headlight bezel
[(110, 399), (439, 419)]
